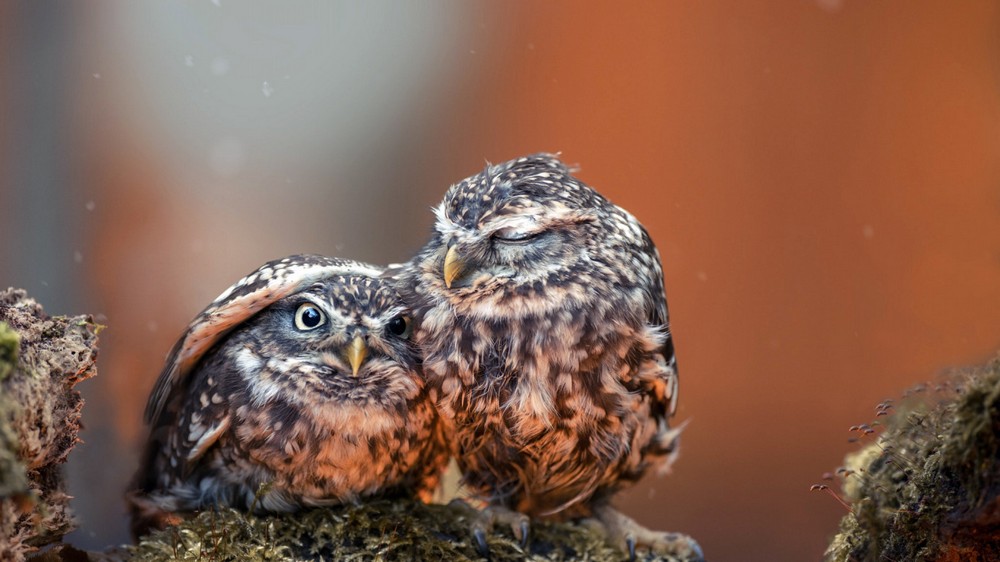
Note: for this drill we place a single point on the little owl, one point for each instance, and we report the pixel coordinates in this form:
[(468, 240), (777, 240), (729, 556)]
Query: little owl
[(299, 386), (543, 321)]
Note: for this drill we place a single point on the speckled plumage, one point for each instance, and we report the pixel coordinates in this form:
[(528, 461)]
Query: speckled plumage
[(543, 321), (257, 408)]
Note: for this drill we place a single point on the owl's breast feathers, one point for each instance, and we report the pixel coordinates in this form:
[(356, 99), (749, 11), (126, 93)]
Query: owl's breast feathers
[(549, 409)]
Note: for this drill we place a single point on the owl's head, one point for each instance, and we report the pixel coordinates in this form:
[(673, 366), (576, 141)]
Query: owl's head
[(527, 228), (343, 340), (353, 324), (335, 324)]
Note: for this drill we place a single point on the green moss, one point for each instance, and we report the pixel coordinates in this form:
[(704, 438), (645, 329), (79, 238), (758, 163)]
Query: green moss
[(13, 479), (402, 530), (10, 343), (928, 488)]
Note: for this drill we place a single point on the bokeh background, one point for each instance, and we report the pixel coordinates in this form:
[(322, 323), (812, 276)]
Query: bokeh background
[(822, 178)]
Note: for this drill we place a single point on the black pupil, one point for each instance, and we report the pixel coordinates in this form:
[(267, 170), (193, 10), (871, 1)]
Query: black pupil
[(310, 317), (397, 326)]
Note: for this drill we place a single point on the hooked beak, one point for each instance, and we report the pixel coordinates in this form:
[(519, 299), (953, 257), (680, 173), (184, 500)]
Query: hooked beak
[(356, 352), (454, 266)]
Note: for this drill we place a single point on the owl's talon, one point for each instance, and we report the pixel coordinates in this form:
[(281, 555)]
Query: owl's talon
[(522, 536), (621, 529), (630, 543), (481, 547), (485, 519)]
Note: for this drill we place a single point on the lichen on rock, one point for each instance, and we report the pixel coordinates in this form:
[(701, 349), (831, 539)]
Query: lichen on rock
[(928, 487), (42, 358)]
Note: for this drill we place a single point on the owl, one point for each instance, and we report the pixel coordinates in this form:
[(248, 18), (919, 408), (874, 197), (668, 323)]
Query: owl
[(542, 318), (298, 386)]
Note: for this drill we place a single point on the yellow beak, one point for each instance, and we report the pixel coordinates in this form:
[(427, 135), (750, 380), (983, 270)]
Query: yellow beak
[(356, 353), (453, 266)]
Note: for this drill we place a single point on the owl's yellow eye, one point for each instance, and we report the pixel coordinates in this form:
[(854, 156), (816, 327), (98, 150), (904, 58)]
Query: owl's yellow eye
[(309, 317)]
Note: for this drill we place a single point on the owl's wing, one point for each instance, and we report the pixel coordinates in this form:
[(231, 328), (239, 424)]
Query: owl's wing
[(202, 419), (271, 282)]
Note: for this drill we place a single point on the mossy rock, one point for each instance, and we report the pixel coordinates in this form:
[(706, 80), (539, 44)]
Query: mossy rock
[(42, 359), (928, 488), (376, 531)]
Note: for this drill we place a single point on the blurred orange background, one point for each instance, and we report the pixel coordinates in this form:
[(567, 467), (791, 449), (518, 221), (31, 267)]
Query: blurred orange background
[(822, 178)]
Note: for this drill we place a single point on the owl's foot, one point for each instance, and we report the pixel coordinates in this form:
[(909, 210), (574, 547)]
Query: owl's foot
[(148, 515), (625, 531), (483, 521)]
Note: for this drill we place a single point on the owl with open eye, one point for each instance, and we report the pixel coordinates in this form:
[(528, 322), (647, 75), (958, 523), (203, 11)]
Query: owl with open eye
[(543, 321), (298, 386)]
